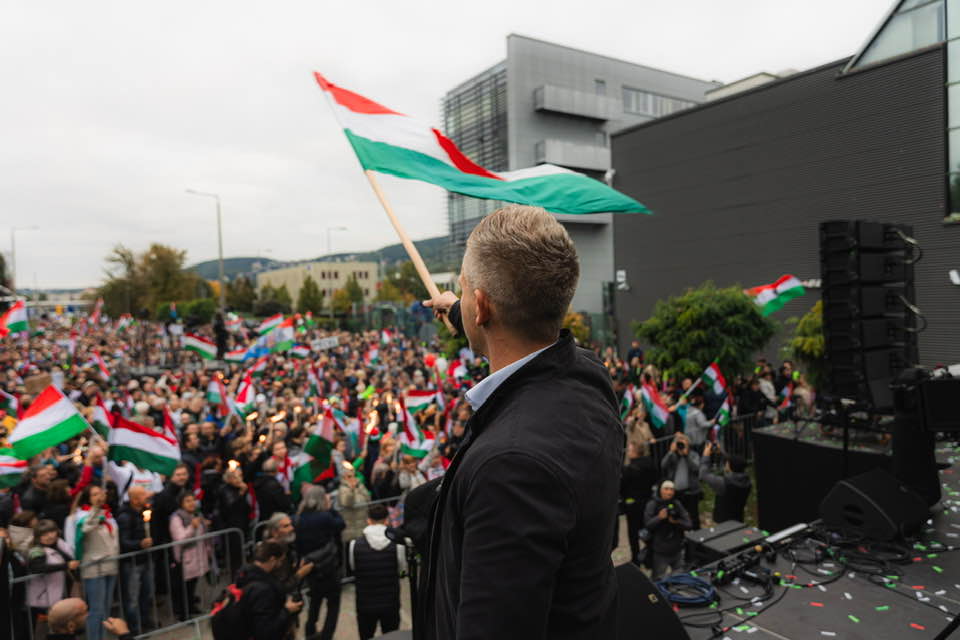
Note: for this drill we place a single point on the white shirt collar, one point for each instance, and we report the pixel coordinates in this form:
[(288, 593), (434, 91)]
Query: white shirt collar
[(485, 388)]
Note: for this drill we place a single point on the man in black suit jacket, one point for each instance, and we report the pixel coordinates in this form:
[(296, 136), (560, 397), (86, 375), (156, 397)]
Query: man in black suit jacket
[(522, 530)]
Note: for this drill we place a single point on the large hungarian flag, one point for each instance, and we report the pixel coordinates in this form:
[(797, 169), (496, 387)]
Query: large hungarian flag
[(11, 468), (14, 320), (771, 297), (144, 447), (390, 142), (714, 379), (50, 420), (237, 355), (259, 368), (656, 408), (217, 394), (102, 420), (199, 345), (246, 399), (314, 463), (270, 324), (300, 352)]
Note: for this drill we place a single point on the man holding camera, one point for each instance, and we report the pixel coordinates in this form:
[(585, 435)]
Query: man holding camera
[(666, 520), (682, 466)]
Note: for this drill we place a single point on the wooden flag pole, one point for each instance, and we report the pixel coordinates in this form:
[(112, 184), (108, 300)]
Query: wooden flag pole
[(411, 249)]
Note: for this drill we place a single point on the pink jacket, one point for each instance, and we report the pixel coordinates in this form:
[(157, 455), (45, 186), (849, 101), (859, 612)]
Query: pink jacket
[(194, 558)]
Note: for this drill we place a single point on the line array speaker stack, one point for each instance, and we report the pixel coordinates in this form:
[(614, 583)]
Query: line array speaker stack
[(869, 315)]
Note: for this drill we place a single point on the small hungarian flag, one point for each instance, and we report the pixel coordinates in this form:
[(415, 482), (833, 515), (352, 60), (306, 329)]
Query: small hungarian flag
[(715, 379), (234, 322), (656, 408), (282, 338), (457, 371), (386, 337), (786, 396), (144, 447), (14, 320), (371, 356), (270, 324), (97, 361), (95, 316), (246, 398), (259, 367), (313, 382), (101, 420), (414, 441), (771, 297), (217, 394), (237, 355), (125, 321), (201, 346), (315, 460), (723, 413), (627, 403), (11, 469), (308, 320), (50, 420), (301, 352), (9, 403)]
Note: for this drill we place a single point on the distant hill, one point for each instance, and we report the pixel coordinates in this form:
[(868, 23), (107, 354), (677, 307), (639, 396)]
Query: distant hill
[(433, 251)]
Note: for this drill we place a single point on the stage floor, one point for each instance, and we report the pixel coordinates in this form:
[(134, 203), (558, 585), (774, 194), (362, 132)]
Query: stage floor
[(856, 606)]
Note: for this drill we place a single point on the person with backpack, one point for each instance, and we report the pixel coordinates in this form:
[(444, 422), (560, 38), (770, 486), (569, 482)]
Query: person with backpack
[(256, 606), (377, 563), (318, 543)]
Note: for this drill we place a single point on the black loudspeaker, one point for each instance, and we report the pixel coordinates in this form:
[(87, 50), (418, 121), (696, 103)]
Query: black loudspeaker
[(643, 610), (873, 505)]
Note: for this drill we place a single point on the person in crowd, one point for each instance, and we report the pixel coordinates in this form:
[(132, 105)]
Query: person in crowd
[(96, 544), (384, 477), (681, 465), (59, 502), (784, 375), (377, 564), (769, 391), (270, 494), (68, 619), (270, 612), (410, 476), (234, 511), (193, 557), (50, 557), (696, 426), (136, 574), (35, 497), (21, 532), (293, 569), (352, 493), (666, 519), (636, 488), (732, 489), (169, 578), (319, 544)]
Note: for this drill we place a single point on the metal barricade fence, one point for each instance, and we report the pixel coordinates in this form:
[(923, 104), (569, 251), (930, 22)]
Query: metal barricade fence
[(147, 587)]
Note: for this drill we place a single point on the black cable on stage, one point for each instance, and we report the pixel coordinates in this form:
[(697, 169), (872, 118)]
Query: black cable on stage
[(705, 591)]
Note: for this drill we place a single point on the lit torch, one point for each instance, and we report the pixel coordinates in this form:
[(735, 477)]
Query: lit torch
[(232, 465), (146, 520), (373, 419)]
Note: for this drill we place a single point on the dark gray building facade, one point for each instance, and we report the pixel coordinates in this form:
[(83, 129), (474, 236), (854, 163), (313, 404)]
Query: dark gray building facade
[(738, 186)]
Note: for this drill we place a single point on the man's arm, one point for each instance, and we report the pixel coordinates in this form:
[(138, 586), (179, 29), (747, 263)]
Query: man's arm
[(517, 513), (713, 480)]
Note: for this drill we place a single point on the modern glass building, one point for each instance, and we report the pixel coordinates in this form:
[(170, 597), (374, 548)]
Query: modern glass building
[(547, 103)]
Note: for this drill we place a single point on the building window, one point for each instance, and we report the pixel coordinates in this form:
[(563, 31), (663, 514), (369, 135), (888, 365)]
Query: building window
[(323, 275), (600, 87), (336, 274), (914, 25), (366, 292), (601, 138), (651, 104)]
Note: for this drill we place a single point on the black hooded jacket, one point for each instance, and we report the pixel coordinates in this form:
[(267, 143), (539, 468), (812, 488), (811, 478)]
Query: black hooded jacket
[(521, 534)]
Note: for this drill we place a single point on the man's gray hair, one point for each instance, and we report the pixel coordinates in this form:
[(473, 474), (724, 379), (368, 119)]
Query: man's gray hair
[(273, 522), (314, 499), (526, 263)]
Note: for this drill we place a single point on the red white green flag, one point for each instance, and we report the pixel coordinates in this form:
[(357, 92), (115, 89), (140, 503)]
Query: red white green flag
[(237, 355), (217, 394), (97, 360), (391, 142), (282, 338), (724, 412), (101, 420), (626, 404), (144, 447), (11, 469), (386, 336), (771, 297), (270, 324), (259, 368), (714, 379), (300, 352), (415, 441), (50, 420), (14, 320), (656, 408), (201, 346), (246, 399), (95, 316), (9, 403), (786, 396)]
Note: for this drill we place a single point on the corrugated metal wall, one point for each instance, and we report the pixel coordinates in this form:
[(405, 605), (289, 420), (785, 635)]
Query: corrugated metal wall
[(738, 188)]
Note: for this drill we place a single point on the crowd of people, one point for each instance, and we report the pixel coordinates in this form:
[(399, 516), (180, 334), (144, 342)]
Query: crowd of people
[(249, 498)]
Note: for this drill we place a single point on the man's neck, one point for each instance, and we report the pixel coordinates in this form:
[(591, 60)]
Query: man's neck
[(505, 350)]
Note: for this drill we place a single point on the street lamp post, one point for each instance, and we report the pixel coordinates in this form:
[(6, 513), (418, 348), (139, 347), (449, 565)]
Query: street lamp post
[(223, 284), (13, 254)]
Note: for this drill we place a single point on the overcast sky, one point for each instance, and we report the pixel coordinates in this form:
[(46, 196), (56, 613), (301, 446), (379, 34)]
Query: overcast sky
[(110, 110)]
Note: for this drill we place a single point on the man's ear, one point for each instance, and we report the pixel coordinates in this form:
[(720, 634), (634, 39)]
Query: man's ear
[(483, 307)]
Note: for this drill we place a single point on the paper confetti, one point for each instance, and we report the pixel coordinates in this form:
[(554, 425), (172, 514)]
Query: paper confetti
[(918, 627), (853, 617), (827, 633), (847, 596), (885, 607), (816, 604)]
